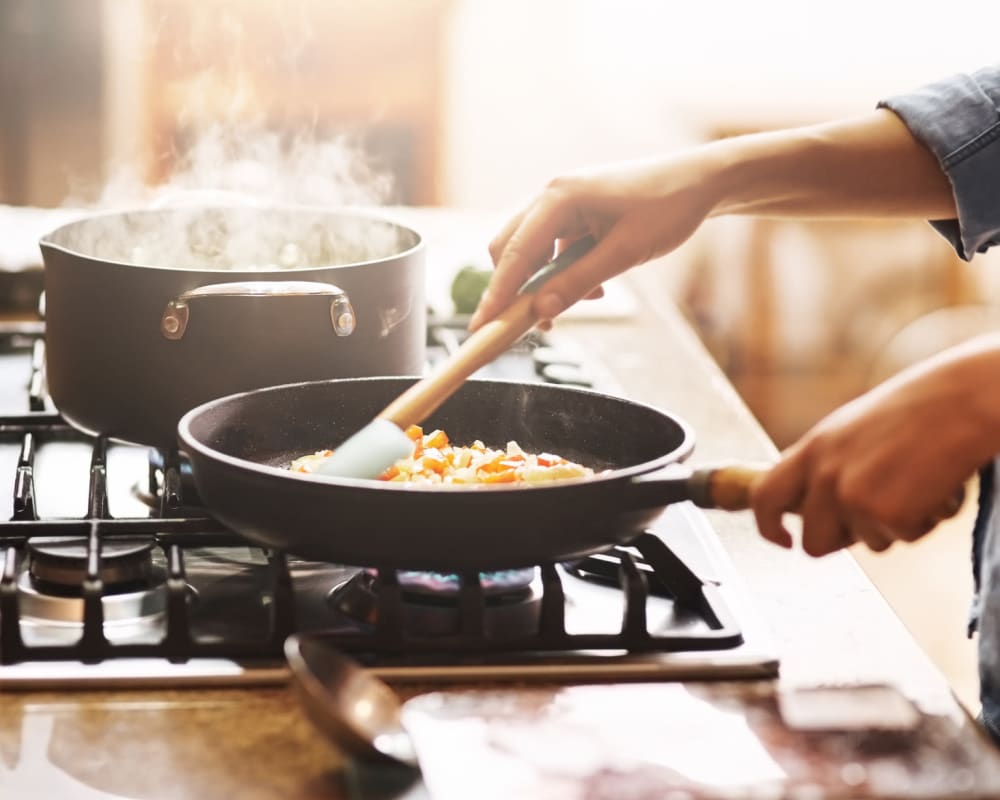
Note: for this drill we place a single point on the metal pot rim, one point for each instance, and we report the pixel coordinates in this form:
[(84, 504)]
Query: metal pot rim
[(48, 241)]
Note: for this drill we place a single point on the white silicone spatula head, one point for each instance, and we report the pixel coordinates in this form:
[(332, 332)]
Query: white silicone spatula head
[(369, 452)]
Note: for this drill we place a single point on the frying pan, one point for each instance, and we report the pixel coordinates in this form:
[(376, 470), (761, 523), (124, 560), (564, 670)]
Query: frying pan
[(239, 447)]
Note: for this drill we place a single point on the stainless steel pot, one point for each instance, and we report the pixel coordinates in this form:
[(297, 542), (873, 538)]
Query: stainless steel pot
[(150, 313)]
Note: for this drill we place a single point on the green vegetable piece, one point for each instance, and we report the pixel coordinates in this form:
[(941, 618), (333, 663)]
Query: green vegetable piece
[(467, 287)]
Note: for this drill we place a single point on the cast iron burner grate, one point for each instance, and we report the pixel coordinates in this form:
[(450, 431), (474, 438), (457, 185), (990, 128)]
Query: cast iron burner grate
[(387, 640), (176, 533)]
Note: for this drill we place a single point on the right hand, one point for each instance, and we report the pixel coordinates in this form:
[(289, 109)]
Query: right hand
[(891, 464), (636, 211)]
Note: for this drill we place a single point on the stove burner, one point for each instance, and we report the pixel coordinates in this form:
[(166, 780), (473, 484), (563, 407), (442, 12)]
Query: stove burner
[(51, 591), (59, 565), (123, 610), (439, 584), (431, 602)]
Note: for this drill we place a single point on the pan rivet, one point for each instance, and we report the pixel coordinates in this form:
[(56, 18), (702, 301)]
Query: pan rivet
[(342, 316), (174, 319)]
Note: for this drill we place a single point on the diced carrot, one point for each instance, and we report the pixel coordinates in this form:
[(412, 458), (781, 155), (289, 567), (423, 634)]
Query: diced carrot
[(433, 460), (495, 464), (389, 474), (415, 432), (436, 439), (506, 476), (549, 460)]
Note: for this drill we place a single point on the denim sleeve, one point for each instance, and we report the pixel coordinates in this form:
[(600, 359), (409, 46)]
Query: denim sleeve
[(958, 119)]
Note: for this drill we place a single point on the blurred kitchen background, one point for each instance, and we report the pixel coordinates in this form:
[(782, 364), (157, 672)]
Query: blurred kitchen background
[(475, 104)]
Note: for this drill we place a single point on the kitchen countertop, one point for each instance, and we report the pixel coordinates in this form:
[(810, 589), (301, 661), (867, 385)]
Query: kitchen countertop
[(829, 623)]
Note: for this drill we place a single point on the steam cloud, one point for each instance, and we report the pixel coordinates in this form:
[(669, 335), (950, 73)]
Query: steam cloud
[(244, 163), (226, 156), (245, 199)]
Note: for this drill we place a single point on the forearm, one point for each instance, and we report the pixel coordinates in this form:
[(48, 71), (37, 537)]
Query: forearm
[(870, 166), (965, 381), (978, 363)]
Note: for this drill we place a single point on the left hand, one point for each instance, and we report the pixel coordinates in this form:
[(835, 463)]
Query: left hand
[(891, 464)]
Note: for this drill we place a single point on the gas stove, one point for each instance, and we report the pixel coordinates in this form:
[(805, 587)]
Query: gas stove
[(112, 573)]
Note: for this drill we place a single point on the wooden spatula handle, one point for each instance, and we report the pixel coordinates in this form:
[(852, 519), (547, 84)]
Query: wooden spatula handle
[(492, 339), (496, 336)]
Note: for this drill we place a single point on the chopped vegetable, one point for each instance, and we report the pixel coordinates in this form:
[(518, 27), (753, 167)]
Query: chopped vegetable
[(436, 461), (467, 288)]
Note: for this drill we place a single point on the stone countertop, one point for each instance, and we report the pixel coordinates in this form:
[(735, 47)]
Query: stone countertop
[(829, 623)]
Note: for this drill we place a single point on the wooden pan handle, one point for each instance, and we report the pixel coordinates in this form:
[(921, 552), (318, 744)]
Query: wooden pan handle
[(727, 487), (495, 337)]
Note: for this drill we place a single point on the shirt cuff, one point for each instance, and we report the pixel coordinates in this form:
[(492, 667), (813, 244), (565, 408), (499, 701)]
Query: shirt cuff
[(958, 120)]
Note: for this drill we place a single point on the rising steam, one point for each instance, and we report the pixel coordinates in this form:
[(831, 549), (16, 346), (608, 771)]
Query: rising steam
[(226, 155)]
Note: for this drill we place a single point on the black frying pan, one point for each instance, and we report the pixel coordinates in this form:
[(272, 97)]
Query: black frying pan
[(238, 446)]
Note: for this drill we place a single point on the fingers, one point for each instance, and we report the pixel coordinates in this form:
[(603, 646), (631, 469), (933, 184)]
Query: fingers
[(952, 505), (902, 521), (594, 294), (614, 253), (829, 520), (524, 244), (863, 530), (822, 528), (499, 242), (945, 510), (780, 491)]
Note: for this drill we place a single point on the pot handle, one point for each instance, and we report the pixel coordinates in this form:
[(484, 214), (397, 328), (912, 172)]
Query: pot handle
[(174, 321), (725, 486)]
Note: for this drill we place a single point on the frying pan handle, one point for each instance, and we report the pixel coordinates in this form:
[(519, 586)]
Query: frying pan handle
[(726, 486), (175, 317)]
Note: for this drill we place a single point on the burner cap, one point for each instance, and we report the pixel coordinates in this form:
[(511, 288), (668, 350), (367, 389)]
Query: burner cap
[(63, 561)]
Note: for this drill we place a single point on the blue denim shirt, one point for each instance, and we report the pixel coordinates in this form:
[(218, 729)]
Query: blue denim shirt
[(958, 119)]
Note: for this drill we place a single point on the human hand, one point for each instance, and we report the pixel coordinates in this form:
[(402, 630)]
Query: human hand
[(891, 464), (641, 209), (635, 211)]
